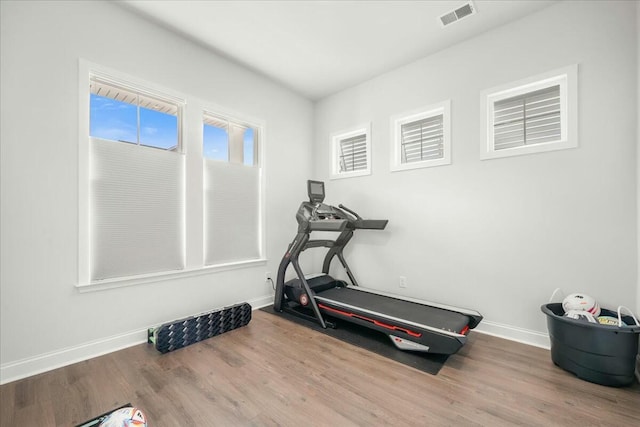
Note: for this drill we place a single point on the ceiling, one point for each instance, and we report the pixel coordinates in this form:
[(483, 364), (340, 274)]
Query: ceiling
[(317, 48)]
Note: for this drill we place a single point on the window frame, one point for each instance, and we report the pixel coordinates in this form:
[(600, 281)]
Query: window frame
[(337, 138), (566, 78), (397, 121), (192, 150)]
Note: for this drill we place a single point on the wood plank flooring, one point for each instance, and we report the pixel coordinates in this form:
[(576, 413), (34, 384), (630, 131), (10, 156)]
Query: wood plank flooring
[(276, 373)]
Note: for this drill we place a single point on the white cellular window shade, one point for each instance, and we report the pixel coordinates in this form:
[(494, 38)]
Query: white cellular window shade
[(232, 212), (534, 115), (137, 210), (232, 180), (136, 176), (421, 138), (351, 153)]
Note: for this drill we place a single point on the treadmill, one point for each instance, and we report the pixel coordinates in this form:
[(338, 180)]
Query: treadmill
[(411, 324)]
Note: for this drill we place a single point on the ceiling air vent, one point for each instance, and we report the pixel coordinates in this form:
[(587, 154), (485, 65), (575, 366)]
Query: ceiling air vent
[(463, 11)]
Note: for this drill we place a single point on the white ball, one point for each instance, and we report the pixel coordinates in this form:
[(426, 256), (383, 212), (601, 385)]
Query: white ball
[(581, 302), (125, 417), (581, 315)]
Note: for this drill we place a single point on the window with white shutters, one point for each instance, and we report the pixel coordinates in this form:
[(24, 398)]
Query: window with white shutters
[(421, 139), (532, 118), (535, 115), (351, 152)]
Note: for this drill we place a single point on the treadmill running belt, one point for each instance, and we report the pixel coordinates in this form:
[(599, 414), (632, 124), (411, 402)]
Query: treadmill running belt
[(400, 309)]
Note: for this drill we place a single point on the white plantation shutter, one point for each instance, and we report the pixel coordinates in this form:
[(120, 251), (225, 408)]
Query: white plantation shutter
[(533, 115), (353, 153), (422, 139), (137, 206), (531, 118)]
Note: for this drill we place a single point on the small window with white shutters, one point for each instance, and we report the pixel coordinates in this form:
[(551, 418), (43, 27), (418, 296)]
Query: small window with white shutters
[(351, 152), (535, 115), (421, 138)]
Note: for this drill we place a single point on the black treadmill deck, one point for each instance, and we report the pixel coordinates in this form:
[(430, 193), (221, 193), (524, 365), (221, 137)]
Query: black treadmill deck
[(399, 309)]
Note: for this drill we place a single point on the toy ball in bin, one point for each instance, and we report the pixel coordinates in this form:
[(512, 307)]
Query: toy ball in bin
[(580, 315), (581, 302)]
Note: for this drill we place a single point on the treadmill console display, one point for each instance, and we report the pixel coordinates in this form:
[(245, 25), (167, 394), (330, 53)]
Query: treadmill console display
[(315, 189)]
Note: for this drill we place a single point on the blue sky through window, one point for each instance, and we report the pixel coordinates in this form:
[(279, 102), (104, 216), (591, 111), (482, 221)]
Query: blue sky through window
[(216, 143), (248, 147), (158, 129), (113, 120), (118, 121)]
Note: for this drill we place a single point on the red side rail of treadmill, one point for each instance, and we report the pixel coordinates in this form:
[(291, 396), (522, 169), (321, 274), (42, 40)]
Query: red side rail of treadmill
[(374, 321)]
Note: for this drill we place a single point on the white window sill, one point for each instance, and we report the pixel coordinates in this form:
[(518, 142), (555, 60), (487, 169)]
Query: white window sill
[(350, 174), (419, 165), (101, 285)]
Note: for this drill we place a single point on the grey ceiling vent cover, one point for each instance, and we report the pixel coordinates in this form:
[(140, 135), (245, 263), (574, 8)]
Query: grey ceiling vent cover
[(463, 11)]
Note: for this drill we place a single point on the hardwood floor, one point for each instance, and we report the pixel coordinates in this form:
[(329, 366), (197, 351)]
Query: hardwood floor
[(273, 372)]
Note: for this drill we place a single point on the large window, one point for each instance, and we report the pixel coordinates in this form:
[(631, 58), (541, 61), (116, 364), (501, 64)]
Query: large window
[(167, 188), (422, 138), (351, 152), (534, 115)]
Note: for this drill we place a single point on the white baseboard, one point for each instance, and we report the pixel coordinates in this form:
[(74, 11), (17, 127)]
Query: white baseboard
[(56, 359), (261, 302), (512, 333), (24, 368)]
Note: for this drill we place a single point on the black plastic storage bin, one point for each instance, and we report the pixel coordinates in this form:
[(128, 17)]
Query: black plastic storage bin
[(596, 353)]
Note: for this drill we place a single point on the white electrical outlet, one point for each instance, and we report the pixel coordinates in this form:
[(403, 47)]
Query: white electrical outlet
[(403, 282), (267, 275)]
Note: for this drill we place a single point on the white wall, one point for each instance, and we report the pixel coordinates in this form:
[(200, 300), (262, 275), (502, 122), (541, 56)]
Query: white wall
[(499, 235), (44, 320)]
